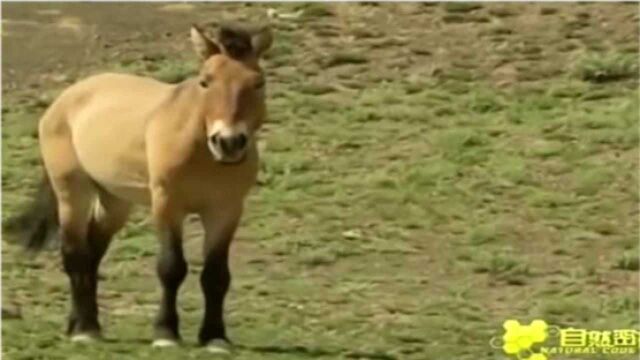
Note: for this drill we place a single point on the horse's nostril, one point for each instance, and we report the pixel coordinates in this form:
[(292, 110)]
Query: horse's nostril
[(229, 144), (241, 141)]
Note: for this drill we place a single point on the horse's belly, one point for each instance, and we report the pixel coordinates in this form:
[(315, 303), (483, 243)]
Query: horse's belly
[(118, 182), (133, 194), (114, 156)]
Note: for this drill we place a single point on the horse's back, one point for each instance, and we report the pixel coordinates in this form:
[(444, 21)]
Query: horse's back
[(103, 120), (99, 95)]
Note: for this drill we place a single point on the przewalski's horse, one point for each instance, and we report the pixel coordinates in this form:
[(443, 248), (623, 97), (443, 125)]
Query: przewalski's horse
[(114, 140)]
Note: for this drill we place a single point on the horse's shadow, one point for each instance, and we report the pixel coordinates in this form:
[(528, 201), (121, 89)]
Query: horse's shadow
[(314, 352), (298, 350), (293, 349)]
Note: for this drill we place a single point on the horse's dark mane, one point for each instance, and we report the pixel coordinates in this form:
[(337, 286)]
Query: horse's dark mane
[(236, 40)]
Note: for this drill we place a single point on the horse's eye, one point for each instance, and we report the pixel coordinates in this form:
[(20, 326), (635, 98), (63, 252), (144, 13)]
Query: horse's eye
[(205, 80)]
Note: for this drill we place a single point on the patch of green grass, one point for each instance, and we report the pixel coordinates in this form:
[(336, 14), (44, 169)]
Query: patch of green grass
[(414, 88), (316, 89), (510, 168), (545, 149), (160, 68), (498, 30), (629, 260), (461, 7), (571, 89), (623, 305), (314, 10), (607, 67), (591, 181), (486, 102), (434, 174), (318, 258), (568, 311), (483, 234), (454, 18), (545, 10), (506, 267), (502, 12), (344, 58), (550, 199), (460, 144), (175, 72)]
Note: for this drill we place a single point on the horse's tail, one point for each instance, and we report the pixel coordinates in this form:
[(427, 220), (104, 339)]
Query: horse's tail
[(36, 226)]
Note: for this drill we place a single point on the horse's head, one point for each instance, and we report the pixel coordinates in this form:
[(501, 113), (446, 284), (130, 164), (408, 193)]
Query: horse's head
[(231, 88)]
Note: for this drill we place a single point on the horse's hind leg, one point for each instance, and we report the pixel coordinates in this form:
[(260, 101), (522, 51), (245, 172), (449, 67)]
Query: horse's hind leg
[(76, 195), (87, 227)]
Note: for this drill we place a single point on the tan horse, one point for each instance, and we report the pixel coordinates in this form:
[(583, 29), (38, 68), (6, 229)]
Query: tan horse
[(114, 140)]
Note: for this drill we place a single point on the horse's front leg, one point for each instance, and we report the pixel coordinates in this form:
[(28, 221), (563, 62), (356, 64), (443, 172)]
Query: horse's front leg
[(171, 266), (215, 279)]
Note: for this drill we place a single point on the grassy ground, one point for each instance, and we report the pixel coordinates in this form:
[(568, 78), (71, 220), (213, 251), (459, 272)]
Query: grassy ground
[(430, 170)]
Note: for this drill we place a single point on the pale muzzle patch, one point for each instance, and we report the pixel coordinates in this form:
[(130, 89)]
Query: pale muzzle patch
[(222, 131)]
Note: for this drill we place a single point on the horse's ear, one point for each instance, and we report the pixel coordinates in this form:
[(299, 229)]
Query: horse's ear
[(261, 41), (203, 46)]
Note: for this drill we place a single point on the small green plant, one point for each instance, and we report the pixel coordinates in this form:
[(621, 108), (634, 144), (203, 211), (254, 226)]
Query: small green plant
[(319, 257), (589, 182), (504, 267), (461, 7), (316, 89), (601, 68), (629, 260), (568, 309), (312, 10), (343, 58), (482, 235)]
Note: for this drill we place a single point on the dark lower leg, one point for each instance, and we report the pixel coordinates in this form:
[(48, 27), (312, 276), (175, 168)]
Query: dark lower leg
[(172, 269), (81, 265), (214, 280)]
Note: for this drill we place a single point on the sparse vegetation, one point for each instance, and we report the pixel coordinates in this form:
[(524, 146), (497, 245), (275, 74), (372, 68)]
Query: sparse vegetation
[(629, 260), (600, 68), (461, 7), (343, 58)]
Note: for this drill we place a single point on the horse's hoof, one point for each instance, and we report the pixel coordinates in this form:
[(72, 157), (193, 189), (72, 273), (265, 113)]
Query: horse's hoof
[(83, 338), (164, 343), (219, 347)]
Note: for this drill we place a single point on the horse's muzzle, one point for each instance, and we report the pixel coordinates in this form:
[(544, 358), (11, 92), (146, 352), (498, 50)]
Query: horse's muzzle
[(230, 148)]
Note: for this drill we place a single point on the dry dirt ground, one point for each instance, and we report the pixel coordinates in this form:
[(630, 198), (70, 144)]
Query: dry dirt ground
[(430, 170)]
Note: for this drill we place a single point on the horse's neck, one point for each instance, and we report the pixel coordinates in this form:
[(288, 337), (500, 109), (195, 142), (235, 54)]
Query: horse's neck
[(184, 110), (180, 117)]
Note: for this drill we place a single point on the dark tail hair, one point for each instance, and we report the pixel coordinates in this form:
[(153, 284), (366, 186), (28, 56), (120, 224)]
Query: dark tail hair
[(37, 225)]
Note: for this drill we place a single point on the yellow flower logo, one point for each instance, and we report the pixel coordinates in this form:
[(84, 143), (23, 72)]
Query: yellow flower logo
[(518, 339)]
